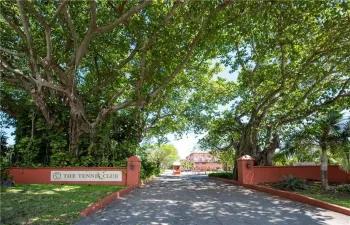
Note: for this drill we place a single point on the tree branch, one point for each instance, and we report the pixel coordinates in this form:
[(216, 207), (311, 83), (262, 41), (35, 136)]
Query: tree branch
[(91, 31), (239, 58), (124, 17), (8, 111), (39, 82), (62, 6), (14, 26), (118, 67), (29, 39), (93, 18), (61, 73), (108, 110), (341, 94), (116, 95), (142, 75), (47, 28), (18, 54), (226, 147), (73, 32), (19, 82), (172, 11), (7, 66), (309, 91)]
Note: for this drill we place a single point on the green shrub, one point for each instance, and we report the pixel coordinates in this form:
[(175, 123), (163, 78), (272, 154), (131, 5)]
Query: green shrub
[(292, 183), (63, 159), (226, 175), (343, 188), (4, 172), (148, 169)]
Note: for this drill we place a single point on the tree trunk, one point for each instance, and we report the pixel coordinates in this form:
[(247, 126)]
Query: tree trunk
[(266, 156), (235, 171), (248, 143), (324, 168), (79, 124)]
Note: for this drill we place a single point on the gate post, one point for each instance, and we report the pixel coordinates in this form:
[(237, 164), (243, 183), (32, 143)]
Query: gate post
[(133, 171), (245, 169)]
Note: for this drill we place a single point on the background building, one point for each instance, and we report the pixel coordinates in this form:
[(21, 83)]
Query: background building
[(204, 161)]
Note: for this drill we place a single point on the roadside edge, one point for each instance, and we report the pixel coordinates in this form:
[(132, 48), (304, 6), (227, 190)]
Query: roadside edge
[(100, 204), (290, 195)]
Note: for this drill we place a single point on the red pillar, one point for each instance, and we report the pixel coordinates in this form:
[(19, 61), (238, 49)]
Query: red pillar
[(245, 169), (133, 171)]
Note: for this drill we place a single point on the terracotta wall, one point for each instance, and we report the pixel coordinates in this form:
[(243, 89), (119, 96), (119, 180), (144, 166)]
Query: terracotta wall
[(250, 174), (43, 175), (275, 173), (130, 174)]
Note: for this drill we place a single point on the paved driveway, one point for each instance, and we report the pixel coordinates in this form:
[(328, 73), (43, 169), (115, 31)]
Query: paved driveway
[(195, 199)]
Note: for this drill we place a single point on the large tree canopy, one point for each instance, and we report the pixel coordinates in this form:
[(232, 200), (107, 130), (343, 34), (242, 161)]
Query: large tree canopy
[(95, 77), (293, 62), (83, 62)]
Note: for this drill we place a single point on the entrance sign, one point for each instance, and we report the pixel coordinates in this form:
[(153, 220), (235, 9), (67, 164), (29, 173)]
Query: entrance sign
[(128, 175), (86, 176)]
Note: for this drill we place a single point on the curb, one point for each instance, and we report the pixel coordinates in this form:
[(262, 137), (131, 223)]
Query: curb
[(100, 204), (106, 200), (291, 196)]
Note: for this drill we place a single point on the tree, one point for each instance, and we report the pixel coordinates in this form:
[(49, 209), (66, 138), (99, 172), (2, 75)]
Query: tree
[(3, 143), (227, 157), (325, 132), (292, 62), (187, 165), (75, 58), (163, 155)]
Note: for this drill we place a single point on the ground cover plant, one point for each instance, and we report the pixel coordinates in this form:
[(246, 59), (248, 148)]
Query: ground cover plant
[(49, 203), (337, 194), (291, 183)]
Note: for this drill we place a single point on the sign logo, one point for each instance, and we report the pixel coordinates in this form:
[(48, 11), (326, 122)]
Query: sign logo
[(89, 175), (56, 175)]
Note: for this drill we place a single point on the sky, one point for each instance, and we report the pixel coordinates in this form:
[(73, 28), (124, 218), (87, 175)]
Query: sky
[(10, 140), (185, 145)]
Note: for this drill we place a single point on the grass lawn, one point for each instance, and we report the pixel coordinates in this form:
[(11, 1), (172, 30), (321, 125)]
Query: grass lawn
[(314, 191), (49, 203)]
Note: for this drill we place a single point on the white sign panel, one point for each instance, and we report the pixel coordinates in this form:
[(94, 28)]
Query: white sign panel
[(86, 176)]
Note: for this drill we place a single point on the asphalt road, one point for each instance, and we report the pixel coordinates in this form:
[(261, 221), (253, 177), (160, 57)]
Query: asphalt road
[(195, 199)]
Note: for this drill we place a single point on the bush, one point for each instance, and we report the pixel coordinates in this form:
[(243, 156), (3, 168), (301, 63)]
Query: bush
[(148, 169), (292, 183), (4, 172), (343, 188), (225, 175)]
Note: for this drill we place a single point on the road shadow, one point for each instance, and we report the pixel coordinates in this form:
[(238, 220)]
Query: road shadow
[(195, 199)]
